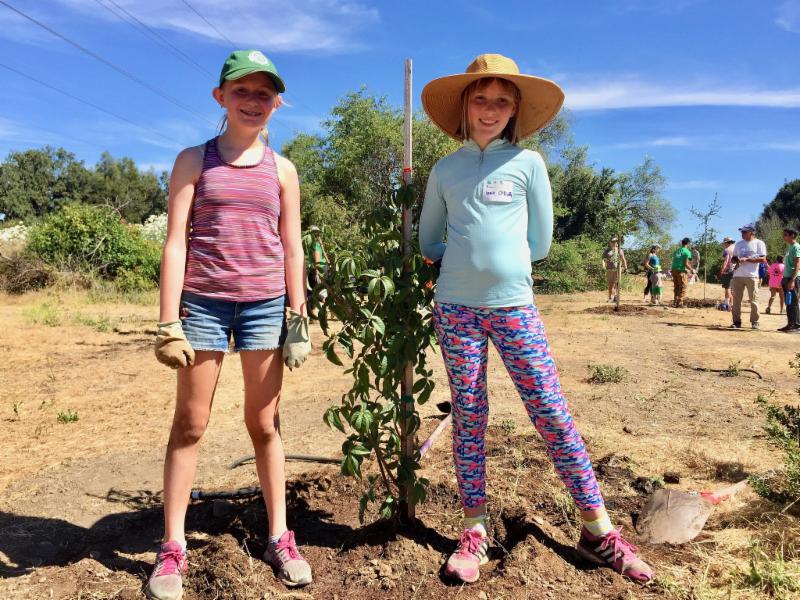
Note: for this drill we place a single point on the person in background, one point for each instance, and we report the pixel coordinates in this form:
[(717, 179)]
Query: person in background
[(611, 258), (680, 267), (791, 280), (317, 263), (651, 264), (775, 279), (695, 264), (749, 252), (726, 271), (657, 281)]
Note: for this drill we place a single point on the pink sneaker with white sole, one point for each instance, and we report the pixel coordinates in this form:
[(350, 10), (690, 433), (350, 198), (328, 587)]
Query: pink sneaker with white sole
[(464, 564), (612, 550), (166, 580), (292, 568)]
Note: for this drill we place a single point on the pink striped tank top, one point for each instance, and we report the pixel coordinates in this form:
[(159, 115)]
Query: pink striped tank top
[(235, 251)]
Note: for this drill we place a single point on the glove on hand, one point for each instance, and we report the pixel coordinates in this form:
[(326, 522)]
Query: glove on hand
[(172, 348), (297, 346)]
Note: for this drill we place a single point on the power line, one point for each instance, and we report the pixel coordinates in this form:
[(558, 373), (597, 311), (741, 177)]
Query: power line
[(233, 45), (210, 24), (88, 103), (156, 37), (109, 64)]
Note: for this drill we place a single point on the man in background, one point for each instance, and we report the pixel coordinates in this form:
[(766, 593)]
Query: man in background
[(749, 252), (680, 267)]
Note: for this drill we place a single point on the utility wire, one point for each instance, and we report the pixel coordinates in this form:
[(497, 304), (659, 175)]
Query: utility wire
[(88, 103), (233, 45), (110, 64), (156, 37), (210, 24)]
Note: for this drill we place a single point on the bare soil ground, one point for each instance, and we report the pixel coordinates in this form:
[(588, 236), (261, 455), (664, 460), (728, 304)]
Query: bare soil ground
[(80, 499)]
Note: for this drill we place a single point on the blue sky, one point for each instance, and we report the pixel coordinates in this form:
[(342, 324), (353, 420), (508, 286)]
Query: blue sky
[(709, 89)]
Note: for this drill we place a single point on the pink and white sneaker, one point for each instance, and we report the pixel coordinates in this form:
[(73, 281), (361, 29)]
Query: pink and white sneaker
[(292, 568), (464, 564), (612, 550), (166, 581)]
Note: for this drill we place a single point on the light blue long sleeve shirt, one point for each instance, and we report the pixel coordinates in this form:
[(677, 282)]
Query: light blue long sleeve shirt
[(496, 207)]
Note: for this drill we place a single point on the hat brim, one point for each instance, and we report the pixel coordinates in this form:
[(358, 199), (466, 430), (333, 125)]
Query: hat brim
[(245, 71), (541, 99)]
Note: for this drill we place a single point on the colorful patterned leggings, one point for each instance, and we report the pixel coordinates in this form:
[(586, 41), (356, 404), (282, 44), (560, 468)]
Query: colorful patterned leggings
[(518, 334)]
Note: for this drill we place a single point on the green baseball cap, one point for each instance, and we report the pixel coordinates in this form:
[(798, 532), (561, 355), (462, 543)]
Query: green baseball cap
[(245, 62)]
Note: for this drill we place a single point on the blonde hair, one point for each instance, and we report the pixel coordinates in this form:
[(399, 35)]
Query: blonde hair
[(511, 131)]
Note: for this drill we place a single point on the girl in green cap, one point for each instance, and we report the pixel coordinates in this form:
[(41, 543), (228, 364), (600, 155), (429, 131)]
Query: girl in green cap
[(232, 268)]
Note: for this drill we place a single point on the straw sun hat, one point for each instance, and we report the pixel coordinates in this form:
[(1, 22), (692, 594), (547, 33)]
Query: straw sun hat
[(541, 98)]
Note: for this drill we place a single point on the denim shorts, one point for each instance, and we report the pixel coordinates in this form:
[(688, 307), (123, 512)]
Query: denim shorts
[(209, 323)]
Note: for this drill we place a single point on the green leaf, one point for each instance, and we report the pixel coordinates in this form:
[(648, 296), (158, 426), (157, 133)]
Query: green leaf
[(378, 324), (330, 354), (360, 451), (362, 421), (332, 419), (388, 507)]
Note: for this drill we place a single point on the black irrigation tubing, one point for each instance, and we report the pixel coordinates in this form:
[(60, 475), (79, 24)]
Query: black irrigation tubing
[(246, 492)]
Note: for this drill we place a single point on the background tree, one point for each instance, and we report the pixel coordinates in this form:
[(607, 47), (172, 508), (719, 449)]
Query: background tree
[(36, 182), (786, 204)]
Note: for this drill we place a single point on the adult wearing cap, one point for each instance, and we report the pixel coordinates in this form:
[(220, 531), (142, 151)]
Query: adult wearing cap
[(680, 268), (612, 256), (791, 280), (726, 271), (749, 252)]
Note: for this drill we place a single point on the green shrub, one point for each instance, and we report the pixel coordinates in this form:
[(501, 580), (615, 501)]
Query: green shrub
[(606, 373), (783, 431), (572, 266), (91, 238)]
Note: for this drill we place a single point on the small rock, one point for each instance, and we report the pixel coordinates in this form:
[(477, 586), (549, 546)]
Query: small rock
[(538, 520), (629, 430), (672, 477), (482, 596), (385, 570), (374, 562)]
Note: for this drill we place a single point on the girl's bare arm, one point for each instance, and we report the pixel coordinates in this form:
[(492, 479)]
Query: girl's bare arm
[(185, 173), (290, 234)]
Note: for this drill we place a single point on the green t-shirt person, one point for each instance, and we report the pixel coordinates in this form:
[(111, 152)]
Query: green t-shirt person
[(790, 259), (679, 259), (316, 248)]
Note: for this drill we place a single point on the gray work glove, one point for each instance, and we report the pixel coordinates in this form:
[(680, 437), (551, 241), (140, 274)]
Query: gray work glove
[(297, 346), (172, 348)]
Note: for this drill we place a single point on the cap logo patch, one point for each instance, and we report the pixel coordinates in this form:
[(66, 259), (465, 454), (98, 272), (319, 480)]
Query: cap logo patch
[(258, 58)]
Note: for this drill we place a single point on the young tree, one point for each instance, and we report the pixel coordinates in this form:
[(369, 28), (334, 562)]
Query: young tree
[(706, 235)]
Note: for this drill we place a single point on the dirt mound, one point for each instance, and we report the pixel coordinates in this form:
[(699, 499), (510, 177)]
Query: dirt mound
[(626, 310)]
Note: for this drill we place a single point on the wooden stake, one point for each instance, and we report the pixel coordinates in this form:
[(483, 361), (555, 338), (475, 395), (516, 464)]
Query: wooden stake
[(407, 384)]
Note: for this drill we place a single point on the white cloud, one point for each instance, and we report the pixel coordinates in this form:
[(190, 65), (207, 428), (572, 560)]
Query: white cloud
[(789, 16), (656, 142), (272, 25), (630, 93), (658, 7)]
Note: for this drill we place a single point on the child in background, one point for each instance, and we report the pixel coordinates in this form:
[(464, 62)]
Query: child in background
[(775, 274), (232, 267), (657, 285), (492, 200)]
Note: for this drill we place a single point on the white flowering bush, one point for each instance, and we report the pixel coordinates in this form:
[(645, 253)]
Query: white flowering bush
[(155, 228), (15, 236)]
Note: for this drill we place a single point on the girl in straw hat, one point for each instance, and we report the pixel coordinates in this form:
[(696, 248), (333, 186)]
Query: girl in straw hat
[(491, 201)]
